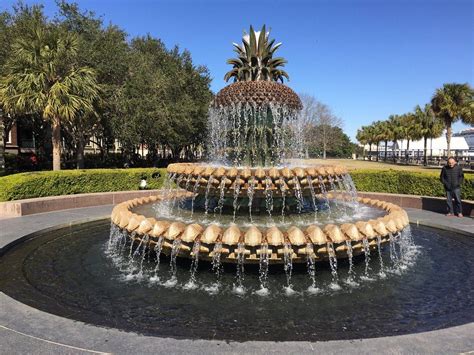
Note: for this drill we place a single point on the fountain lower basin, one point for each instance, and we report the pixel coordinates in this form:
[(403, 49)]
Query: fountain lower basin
[(71, 273)]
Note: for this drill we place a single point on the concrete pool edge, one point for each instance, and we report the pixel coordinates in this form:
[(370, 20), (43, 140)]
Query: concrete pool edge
[(25, 329)]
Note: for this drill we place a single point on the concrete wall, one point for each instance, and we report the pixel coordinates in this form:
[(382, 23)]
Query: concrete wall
[(55, 203)]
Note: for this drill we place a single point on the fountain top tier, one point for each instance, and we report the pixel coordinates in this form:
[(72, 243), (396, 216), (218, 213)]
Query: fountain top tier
[(258, 94), (240, 180)]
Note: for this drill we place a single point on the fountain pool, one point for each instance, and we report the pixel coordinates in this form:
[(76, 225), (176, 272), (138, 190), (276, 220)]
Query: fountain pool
[(71, 273)]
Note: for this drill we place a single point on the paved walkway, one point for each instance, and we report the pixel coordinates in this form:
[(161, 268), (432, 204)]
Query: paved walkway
[(25, 330)]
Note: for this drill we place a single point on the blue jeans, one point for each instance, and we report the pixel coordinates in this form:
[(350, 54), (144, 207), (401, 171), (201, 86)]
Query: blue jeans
[(456, 195)]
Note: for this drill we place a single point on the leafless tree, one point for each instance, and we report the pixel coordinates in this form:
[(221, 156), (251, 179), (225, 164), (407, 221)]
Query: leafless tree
[(317, 120)]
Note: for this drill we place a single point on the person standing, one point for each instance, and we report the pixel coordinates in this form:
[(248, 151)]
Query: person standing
[(452, 178)]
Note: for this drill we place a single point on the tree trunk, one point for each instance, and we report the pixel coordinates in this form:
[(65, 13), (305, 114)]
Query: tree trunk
[(324, 148), (407, 151), (377, 156), (80, 154), (385, 157), (448, 137), (2, 143), (370, 151), (56, 141), (400, 150), (394, 151), (425, 162)]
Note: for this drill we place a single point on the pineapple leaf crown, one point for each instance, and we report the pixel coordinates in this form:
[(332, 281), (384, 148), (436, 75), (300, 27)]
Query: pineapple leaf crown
[(255, 59)]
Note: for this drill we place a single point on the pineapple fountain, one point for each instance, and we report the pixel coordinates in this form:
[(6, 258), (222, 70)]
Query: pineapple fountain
[(249, 206)]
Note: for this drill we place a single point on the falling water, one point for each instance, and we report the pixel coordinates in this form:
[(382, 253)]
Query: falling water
[(393, 249), (145, 240), (239, 288), (158, 248), (268, 196), (283, 198), (288, 266), (195, 192), (216, 260), (173, 269), (310, 263), (313, 194), (220, 203), (322, 187), (298, 195), (235, 204), (250, 193), (333, 264), (263, 270), (365, 243), (351, 262), (239, 134), (206, 196), (379, 249), (192, 284)]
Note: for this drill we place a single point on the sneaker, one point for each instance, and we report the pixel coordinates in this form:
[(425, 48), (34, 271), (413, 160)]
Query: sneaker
[(460, 215), (449, 214)]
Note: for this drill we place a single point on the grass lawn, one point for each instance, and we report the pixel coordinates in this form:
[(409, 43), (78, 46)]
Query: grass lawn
[(365, 164)]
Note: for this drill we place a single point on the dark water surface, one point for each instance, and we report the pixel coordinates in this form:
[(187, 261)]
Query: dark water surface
[(69, 273)]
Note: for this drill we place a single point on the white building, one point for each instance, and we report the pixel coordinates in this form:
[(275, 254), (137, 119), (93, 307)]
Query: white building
[(468, 135), (436, 148)]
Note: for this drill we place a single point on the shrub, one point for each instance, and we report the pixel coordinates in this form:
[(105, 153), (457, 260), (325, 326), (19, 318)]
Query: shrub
[(68, 182), (407, 182)]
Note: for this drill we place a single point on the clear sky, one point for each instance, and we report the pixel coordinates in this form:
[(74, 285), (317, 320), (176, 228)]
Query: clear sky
[(366, 59)]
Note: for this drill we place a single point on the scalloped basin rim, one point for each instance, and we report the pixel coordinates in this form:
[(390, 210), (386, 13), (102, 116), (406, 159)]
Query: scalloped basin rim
[(320, 242)]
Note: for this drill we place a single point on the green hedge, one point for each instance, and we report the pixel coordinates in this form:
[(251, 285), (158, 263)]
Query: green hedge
[(68, 182), (407, 182)]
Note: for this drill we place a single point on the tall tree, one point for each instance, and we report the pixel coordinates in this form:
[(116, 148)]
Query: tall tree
[(164, 100), (430, 126), (453, 102), (395, 130), (410, 130), (104, 49), (42, 76), (12, 26), (366, 135), (385, 134)]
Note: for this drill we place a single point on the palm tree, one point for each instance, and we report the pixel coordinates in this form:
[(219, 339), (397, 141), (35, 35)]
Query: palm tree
[(378, 135), (385, 134), (361, 137), (430, 126), (410, 130), (367, 135), (42, 76), (451, 103), (255, 59), (395, 134)]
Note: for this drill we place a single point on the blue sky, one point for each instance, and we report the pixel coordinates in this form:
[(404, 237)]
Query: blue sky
[(366, 59)]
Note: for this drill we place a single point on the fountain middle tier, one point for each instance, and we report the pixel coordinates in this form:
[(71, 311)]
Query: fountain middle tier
[(232, 181)]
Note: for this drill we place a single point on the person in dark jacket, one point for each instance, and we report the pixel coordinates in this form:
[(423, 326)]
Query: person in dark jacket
[(452, 178)]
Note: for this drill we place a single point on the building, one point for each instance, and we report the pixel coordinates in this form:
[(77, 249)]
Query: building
[(468, 135), (436, 148), (20, 139)]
